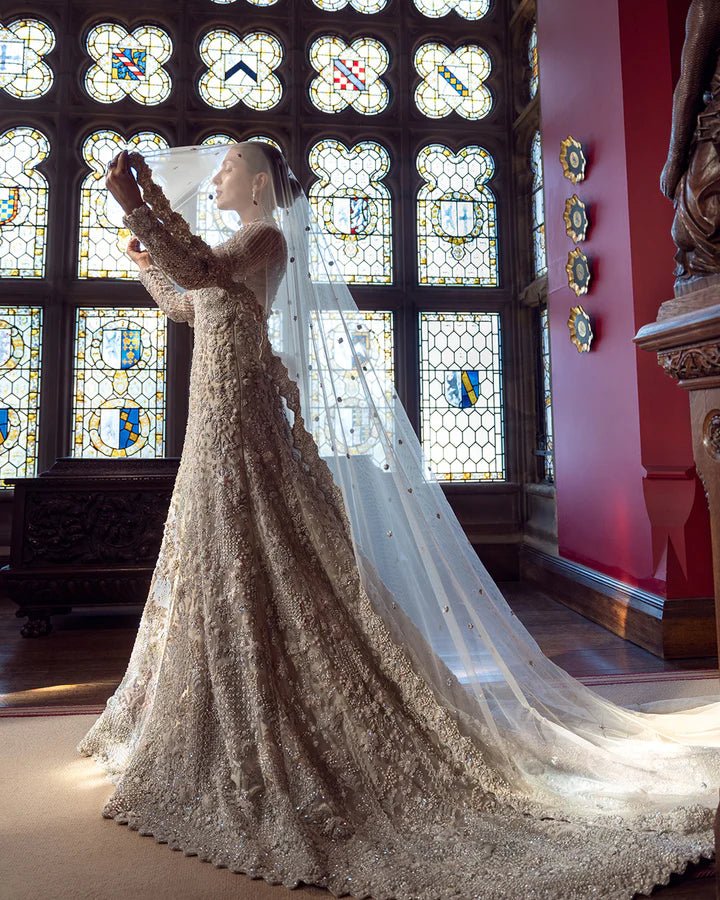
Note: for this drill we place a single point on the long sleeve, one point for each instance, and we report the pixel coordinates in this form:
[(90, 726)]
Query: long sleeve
[(176, 305), (250, 249)]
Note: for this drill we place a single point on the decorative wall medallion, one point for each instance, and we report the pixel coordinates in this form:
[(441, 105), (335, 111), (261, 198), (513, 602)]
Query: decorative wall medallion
[(576, 219), (573, 160), (578, 271), (711, 434), (581, 333)]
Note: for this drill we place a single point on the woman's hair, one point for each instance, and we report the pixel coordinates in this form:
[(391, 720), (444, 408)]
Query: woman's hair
[(262, 157)]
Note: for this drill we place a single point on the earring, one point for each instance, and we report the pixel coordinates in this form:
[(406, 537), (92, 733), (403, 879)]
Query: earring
[(254, 196)]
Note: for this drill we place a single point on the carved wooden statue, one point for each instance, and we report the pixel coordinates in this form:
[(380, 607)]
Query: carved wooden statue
[(691, 177)]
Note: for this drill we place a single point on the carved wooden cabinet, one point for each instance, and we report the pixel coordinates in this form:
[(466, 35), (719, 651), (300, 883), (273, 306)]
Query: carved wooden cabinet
[(86, 533)]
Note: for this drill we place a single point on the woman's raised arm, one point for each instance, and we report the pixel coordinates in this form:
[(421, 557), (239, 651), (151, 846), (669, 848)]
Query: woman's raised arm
[(190, 267)]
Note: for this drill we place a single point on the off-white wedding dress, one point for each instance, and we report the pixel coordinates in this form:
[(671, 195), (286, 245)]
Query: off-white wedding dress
[(268, 721)]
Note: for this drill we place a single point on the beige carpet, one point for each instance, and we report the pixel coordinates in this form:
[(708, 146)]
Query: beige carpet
[(657, 691), (55, 844)]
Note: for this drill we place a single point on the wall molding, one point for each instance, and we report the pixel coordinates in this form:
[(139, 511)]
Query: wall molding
[(670, 628)]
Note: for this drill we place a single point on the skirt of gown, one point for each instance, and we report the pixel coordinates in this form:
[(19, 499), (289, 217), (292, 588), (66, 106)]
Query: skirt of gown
[(268, 721)]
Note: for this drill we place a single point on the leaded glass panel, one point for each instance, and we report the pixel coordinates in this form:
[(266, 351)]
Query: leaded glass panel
[(533, 61), (352, 206), (538, 207), (351, 429), (23, 203), (219, 139), (453, 80), (461, 403), (546, 444), (263, 139), (103, 236), (349, 75), (119, 382), (369, 7), (24, 44), (240, 69), (456, 217), (20, 350), (467, 9), (128, 64)]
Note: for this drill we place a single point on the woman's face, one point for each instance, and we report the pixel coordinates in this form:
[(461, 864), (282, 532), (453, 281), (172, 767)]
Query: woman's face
[(233, 182)]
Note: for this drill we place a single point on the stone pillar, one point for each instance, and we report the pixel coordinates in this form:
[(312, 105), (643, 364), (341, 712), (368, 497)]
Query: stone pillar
[(686, 338)]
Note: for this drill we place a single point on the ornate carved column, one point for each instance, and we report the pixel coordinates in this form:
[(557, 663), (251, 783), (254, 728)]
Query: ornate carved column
[(686, 338)]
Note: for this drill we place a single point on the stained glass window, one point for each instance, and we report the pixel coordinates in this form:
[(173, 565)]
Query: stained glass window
[(546, 442), (119, 382), (362, 6), (456, 217), (461, 402), (103, 237), (349, 75), (538, 207), (263, 139), (24, 44), (23, 203), (128, 64), (453, 80), (352, 428), (240, 68), (352, 205), (533, 61), (468, 9), (220, 139), (20, 347)]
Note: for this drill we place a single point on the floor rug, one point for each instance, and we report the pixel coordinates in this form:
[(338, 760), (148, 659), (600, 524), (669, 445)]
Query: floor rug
[(55, 845)]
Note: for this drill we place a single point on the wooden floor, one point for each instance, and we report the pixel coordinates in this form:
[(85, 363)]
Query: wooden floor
[(82, 661), (85, 656)]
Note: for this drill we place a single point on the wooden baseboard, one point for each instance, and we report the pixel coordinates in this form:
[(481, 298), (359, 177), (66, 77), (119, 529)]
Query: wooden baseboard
[(671, 629)]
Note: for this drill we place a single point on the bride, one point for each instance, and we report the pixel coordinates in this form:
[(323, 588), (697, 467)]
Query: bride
[(326, 686)]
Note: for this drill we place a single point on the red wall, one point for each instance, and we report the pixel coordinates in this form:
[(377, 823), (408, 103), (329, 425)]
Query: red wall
[(629, 502)]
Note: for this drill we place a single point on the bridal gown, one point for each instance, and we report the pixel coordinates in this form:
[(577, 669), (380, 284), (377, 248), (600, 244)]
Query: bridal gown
[(268, 721)]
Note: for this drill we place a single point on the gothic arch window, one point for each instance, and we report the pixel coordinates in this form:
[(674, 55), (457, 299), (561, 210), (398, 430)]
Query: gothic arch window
[(530, 236), (23, 203), (394, 120), (533, 61), (103, 237), (538, 206), (24, 45)]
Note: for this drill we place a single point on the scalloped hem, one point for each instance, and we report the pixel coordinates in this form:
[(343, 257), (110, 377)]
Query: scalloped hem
[(256, 873), (668, 872), (660, 877)]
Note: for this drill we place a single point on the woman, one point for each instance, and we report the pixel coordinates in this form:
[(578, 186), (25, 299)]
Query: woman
[(285, 712)]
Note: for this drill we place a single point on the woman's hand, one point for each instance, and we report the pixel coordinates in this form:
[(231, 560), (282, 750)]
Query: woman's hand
[(141, 258), (121, 183)]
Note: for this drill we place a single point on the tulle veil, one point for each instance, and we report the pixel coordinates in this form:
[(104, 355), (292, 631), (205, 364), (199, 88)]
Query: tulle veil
[(554, 738)]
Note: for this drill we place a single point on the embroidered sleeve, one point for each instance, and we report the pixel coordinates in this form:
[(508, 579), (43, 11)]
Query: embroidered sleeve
[(177, 306), (201, 266)]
